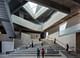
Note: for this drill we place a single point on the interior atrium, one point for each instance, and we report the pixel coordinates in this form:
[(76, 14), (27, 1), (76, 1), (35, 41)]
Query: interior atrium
[(39, 28)]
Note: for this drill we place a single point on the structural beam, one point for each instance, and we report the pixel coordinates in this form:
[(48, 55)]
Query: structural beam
[(23, 29), (15, 5)]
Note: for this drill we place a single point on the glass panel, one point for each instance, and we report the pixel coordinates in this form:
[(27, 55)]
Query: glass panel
[(33, 7)]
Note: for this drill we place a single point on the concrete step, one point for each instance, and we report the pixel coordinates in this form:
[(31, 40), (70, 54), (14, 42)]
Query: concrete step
[(33, 54)]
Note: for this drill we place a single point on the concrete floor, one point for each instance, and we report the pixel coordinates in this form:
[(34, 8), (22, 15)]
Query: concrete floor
[(24, 56)]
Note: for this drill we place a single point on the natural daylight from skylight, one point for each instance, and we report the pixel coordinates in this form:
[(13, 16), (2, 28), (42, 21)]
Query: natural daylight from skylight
[(34, 9), (33, 6)]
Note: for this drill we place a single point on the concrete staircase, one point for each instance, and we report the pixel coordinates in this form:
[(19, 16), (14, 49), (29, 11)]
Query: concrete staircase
[(33, 51)]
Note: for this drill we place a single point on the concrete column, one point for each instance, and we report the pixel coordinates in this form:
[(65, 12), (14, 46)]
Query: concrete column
[(5, 18), (8, 28), (3, 11)]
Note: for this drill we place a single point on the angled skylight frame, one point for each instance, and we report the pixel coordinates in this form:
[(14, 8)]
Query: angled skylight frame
[(32, 9)]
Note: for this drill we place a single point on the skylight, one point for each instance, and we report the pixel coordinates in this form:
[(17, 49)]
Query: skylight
[(33, 7)]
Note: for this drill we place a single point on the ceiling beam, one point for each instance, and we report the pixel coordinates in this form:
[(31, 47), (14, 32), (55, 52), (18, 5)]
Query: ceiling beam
[(15, 5), (46, 15), (23, 29), (55, 27)]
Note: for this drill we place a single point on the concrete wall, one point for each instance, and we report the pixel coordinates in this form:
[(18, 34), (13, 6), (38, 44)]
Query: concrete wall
[(26, 39), (17, 43), (7, 43), (4, 37), (7, 46), (72, 25), (25, 23), (23, 41), (63, 40), (68, 32), (53, 19)]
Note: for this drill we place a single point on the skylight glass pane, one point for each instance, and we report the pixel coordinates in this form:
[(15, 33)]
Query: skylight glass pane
[(34, 9), (33, 6)]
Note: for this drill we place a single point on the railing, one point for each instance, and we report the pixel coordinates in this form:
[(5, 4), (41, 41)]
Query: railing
[(61, 42), (58, 41), (70, 48)]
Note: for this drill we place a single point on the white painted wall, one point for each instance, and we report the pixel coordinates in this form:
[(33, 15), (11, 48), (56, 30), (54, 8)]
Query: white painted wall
[(70, 39), (7, 46)]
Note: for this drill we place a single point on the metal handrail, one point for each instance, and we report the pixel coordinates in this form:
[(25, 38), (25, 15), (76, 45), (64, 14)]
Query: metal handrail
[(64, 44), (60, 42), (57, 40)]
